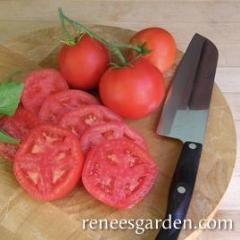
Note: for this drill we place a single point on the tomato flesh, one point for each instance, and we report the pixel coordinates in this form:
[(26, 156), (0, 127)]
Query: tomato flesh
[(17, 126), (8, 151), (86, 117), (49, 163), (119, 173), (56, 105), (39, 85), (105, 132)]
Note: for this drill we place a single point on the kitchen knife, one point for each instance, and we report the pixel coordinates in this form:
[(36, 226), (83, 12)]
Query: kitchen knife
[(184, 117)]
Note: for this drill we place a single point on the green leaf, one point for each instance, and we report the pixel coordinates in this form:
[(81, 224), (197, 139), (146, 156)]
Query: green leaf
[(4, 138), (10, 94)]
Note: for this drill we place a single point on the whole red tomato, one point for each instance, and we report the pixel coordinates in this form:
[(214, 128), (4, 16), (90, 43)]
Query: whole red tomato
[(161, 44), (133, 91), (83, 64)]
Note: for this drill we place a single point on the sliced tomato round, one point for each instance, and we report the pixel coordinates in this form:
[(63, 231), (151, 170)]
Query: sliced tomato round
[(40, 84), (19, 125), (8, 151), (48, 164), (119, 173), (56, 105), (86, 117), (104, 132)]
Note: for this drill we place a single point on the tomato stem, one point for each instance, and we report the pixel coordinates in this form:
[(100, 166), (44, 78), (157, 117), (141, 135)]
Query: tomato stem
[(115, 49), (70, 39), (129, 46)]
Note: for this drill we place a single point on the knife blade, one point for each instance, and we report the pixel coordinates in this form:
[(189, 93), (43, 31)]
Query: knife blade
[(184, 117)]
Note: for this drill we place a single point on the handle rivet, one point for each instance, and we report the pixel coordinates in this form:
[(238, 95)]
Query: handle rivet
[(181, 189), (192, 146)]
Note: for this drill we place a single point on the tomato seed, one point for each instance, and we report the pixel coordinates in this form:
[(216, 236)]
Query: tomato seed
[(133, 160), (49, 139), (107, 184), (36, 149), (33, 176), (57, 174), (108, 135), (90, 119), (94, 170), (61, 156), (112, 157)]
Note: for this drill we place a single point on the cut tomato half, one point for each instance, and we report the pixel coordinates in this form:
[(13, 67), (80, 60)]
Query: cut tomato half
[(49, 163), (109, 131), (86, 117), (119, 173), (40, 84), (56, 105)]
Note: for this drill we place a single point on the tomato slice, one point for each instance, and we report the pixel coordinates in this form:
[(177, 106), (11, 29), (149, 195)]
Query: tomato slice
[(109, 131), (119, 173), (39, 85), (49, 163), (56, 105), (86, 117), (8, 151), (17, 126)]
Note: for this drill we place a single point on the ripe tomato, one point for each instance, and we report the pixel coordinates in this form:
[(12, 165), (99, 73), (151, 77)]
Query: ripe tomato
[(39, 85), (132, 91), (162, 46), (56, 105), (19, 125), (83, 64), (104, 132), (49, 163), (119, 173), (87, 116)]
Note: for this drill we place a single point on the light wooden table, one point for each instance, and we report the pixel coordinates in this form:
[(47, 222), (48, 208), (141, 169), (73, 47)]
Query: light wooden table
[(218, 20)]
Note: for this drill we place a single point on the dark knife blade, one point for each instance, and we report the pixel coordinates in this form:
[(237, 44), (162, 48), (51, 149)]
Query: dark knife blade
[(184, 117)]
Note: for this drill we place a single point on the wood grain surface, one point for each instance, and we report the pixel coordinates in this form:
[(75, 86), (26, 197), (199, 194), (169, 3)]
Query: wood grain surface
[(19, 211), (216, 19)]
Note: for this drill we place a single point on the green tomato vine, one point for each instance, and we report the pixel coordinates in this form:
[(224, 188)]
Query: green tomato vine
[(81, 29)]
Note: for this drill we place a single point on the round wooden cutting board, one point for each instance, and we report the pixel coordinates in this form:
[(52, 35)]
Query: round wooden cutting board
[(22, 218)]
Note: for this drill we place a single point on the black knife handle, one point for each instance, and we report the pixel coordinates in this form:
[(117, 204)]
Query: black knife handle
[(181, 189)]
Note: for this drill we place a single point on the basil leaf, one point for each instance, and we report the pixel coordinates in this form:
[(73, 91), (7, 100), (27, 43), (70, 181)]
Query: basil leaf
[(10, 94), (4, 138)]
